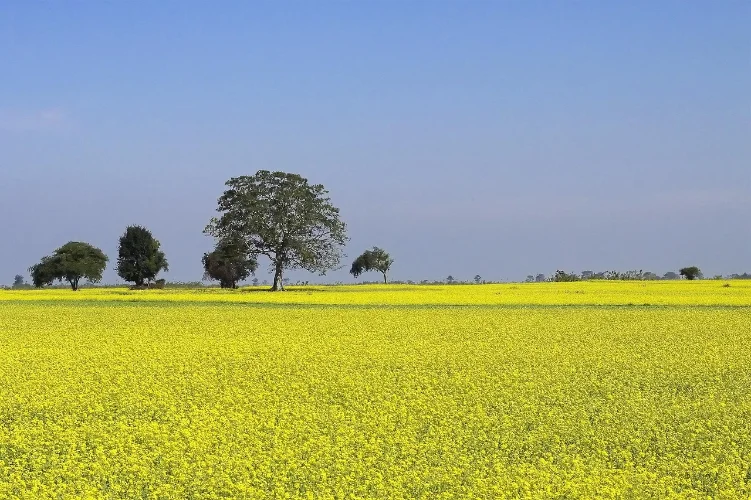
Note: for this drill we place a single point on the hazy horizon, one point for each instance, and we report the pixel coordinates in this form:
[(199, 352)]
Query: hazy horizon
[(496, 138)]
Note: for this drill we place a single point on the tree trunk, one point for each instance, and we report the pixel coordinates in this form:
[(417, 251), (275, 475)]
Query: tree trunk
[(384, 279), (278, 285), (74, 284)]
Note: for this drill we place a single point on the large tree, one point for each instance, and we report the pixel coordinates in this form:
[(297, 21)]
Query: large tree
[(70, 262), (139, 257), (283, 217), (376, 259), (229, 263), (690, 273)]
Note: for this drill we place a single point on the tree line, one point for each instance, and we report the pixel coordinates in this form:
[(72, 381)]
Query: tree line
[(277, 215), (689, 273)]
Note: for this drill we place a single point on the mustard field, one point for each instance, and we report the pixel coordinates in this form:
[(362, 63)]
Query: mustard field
[(573, 390), (686, 293)]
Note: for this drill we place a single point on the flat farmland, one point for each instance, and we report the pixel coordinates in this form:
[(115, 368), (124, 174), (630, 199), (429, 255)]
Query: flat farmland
[(571, 390)]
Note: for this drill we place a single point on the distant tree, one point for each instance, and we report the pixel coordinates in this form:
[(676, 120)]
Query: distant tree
[(255, 281), (18, 281), (376, 259), (632, 275), (670, 275), (530, 278), (478, 279), (450, 280), (229, 263), (540, 278), (586, 275), (139, 258), (283, 217), (71, 262), (690, 273), (564, 276)]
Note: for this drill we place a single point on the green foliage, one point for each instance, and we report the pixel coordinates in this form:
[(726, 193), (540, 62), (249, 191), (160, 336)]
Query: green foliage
[(18, 281), (690, 273), (632, 275), (139, 257), (376, 259), (638, 275), (229, 263), (283, 217), (70, 262), (564, 276)]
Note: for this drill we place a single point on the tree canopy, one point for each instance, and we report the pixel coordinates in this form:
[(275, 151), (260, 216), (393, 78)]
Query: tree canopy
[(70, 262), (283, 217), (376, 259), (690, 273), (139, 256), (229, 263)]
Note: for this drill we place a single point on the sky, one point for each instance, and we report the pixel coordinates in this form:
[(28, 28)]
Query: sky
[(499, 138)]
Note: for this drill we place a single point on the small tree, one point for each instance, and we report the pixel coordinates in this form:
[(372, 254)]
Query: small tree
[(478, 279), (18, 281), (283, 217), (229, 263), (376, 259), (450, 280), (70, 262), (690, 273), (139, 258), (564, 276)]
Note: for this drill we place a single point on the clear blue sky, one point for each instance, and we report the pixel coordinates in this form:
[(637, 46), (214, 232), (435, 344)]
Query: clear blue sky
[(501, 138)]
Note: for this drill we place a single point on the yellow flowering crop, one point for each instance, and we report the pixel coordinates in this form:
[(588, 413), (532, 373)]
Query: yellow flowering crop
[(704, 292), (573, 390)]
